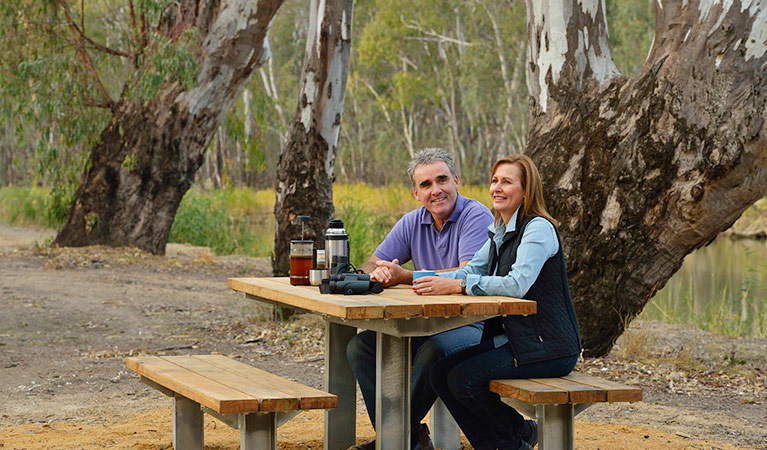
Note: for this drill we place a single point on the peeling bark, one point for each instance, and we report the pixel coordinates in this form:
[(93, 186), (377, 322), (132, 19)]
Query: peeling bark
[(305, 170), (642, 171), (150, 151)]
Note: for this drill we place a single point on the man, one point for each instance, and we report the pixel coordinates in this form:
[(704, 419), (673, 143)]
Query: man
[(441, 235)]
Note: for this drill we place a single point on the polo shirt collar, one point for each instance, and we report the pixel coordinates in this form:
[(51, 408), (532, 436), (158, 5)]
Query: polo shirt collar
[(460, 203)]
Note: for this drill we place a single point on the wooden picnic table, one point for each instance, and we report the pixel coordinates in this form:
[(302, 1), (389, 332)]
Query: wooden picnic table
[(395, 315)]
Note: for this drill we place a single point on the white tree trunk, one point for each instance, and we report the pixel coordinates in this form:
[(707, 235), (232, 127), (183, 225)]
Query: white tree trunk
[(305, 171), (642, 171), (149, 152)]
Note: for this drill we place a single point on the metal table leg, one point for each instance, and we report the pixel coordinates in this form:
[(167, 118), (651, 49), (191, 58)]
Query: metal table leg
[(446, 434), (392, 392), (187, 424), (340, 432)]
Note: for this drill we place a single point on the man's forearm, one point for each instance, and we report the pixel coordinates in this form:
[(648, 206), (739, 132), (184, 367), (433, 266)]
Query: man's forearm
[(368, 266)]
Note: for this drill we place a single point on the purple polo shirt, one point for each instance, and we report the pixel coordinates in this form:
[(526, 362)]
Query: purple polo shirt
[(414, 236)]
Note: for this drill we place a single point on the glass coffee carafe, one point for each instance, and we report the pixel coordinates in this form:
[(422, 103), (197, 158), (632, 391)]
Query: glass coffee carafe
[(301, 251)]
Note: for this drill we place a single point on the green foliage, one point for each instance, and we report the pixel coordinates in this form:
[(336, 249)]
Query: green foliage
[(25, 206), (41, 93), (734, 360), (169, 62), (632, 27), (215, 219), (366, 229), (48, 92), (427, 73)]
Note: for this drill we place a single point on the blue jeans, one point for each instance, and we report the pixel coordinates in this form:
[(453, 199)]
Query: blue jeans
[(461, 382), (425, 351)]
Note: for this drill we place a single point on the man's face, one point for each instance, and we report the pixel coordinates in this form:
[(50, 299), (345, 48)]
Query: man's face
[(436, 188)]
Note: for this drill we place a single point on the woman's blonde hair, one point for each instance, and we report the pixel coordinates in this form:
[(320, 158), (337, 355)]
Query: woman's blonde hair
[(534, 205)]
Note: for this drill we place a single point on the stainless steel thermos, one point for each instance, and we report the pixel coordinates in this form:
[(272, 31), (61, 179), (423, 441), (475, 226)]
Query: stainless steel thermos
[(336, 244)]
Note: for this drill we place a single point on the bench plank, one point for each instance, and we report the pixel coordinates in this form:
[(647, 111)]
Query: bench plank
[(269, 399), (616, 392), (204, 391), (529, 391), (308, 397), (578, 392)]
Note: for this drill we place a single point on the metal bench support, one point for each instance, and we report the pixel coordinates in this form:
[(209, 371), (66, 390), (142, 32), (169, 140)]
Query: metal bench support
[(187, 424), (258, 431), (555, 427), (444, 430)]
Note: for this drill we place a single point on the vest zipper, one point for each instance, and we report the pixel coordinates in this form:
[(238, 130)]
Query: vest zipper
[(515, 362)]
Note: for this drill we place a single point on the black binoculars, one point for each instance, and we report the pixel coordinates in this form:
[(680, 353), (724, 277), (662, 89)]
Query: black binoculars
[(350, 284)]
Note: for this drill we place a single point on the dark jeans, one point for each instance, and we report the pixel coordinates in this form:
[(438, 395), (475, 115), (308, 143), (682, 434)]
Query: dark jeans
[(461, 382), (425, 351)]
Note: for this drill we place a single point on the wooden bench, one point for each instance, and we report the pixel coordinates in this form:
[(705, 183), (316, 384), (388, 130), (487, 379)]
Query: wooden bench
[(239, 395), (554, 402)]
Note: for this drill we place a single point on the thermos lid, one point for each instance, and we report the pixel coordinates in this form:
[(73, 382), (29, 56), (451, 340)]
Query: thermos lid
[(336, 223)]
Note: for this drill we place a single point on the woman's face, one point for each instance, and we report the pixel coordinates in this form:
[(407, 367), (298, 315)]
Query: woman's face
[(506, 189)]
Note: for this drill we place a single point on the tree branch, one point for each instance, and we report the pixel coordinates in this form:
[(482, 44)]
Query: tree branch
[(107, 101), (80, 36)]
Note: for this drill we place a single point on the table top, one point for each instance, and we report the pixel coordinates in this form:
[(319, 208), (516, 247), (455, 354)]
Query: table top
[(397, 302)]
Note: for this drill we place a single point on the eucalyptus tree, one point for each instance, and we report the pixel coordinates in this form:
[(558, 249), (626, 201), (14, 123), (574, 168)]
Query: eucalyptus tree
[(642, 170), (188, 61), (448, 74), (305, 170), (45, 122)]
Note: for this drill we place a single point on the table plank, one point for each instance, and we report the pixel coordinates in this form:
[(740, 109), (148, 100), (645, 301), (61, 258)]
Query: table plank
[(432, 305), (449, 305), (395, 302), (308, 297)]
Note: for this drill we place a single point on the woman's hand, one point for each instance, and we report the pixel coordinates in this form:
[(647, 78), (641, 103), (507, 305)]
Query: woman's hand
[(435, 285)]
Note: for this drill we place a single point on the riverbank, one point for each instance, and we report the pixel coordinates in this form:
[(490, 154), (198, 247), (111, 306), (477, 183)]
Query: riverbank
[(752, 224), (71, 316)]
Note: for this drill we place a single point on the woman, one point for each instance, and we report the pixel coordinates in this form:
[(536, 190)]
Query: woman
[(522, 258)]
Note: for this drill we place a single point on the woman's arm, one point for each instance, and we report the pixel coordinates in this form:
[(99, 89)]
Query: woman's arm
[(539, 243), (449, 282)]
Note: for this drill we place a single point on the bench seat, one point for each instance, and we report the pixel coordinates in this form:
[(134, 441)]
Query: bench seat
[(554, 402), (244, 397)]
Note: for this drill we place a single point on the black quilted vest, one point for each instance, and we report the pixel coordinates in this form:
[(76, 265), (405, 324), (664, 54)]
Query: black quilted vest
[(553, 331)]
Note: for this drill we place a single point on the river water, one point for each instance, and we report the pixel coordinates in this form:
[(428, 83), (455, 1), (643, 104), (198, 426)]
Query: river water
[(721, 288)]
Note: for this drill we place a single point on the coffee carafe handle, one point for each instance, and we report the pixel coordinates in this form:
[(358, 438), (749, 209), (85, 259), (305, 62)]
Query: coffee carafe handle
[(303, 220)]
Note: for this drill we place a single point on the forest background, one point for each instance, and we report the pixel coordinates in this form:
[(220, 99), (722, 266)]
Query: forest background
[(443, 74), (435, 73)]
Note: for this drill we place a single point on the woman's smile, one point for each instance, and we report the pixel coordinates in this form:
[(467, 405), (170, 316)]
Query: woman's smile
[(506, 190)]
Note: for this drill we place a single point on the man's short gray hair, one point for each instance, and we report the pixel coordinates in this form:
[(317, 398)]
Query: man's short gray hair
[(428, 156)]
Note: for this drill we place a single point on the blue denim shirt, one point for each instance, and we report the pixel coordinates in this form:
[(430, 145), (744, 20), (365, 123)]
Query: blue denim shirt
[(539, 243)]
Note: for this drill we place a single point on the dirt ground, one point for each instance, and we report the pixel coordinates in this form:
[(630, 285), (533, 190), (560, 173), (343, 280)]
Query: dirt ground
[(71, 316)]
